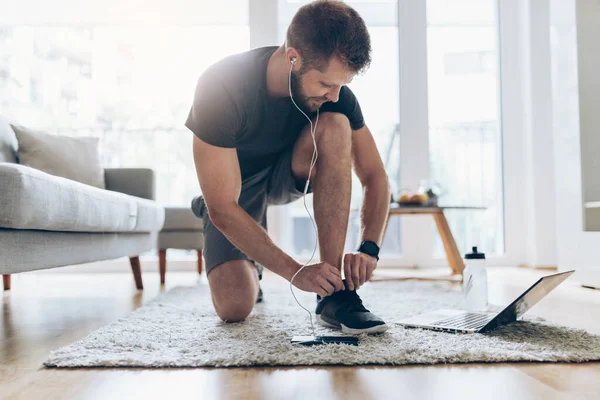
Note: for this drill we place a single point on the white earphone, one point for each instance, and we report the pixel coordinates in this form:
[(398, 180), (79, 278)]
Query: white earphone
[(313, 130)]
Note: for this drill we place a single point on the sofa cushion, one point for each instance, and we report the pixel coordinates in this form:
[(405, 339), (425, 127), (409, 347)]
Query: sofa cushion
[(181, 219), (150, 216), (76, 158), (185, 240), (33, 199), (8, 142)]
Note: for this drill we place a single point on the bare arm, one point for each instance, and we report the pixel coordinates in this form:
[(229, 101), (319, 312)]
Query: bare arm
[(359, 267), (371, 173), (219, 175)]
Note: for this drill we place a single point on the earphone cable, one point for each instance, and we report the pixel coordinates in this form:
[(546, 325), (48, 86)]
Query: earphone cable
[(312, 164)]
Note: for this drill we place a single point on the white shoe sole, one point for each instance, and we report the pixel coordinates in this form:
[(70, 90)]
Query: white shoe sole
[(373, 329), (326, 324), (345, 329)]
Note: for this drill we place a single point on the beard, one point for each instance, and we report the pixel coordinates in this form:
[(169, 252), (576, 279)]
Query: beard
[(302, 100)]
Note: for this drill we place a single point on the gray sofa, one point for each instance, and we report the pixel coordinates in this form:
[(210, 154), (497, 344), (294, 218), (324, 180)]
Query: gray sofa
[(48, 221)]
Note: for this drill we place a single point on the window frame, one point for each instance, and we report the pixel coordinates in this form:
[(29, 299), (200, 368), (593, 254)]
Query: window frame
[(416, 232)]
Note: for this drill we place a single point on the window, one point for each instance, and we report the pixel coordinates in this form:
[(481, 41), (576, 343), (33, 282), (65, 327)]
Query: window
[(130, 85), (464, 120), (457, 44)]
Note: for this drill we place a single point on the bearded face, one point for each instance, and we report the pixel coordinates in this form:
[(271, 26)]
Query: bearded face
[(312, 87), (308, 104)]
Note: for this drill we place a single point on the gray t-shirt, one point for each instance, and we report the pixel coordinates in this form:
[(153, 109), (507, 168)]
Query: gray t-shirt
[(232, 109)]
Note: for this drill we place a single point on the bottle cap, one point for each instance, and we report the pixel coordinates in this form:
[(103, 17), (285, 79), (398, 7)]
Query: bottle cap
[(475, 255)]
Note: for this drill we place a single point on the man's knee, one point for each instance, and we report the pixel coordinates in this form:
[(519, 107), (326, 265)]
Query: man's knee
[(334, 131), (234, 289), (234, 312), (334, 139)]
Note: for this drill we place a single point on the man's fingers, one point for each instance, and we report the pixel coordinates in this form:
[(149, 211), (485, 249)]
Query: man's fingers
[(334, 276), (339, 283), (356, 275), (335, 271), (327, 286), (363, 273), (348, 271), (320, 291), (336, 281)]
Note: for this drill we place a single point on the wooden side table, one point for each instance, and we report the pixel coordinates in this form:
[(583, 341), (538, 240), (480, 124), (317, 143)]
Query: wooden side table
[(452, 253)]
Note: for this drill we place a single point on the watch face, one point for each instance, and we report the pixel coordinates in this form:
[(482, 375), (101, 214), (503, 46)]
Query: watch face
[(370, 248)]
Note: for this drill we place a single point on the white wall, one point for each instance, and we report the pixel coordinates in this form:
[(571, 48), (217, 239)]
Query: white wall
[(576, 249)]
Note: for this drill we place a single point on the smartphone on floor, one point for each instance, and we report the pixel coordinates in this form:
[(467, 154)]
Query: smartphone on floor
[(315, 340)]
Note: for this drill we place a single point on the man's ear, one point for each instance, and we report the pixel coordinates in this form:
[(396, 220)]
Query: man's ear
[(293, 57)]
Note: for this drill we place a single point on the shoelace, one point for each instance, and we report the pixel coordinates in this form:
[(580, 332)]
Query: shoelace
[(350, 301)]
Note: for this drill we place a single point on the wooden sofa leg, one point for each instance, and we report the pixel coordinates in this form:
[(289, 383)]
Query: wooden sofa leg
[(6, 281), (200, 262), (162, 264), (137, 271)]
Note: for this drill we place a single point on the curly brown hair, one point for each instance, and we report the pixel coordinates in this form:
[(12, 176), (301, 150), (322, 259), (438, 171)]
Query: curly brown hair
[(330, 28)]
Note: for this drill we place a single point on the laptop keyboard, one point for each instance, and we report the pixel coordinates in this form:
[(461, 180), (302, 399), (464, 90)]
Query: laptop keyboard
[(465, 321)]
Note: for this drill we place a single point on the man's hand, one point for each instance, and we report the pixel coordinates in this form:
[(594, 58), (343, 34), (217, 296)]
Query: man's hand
[(322, 278), (358, 268)]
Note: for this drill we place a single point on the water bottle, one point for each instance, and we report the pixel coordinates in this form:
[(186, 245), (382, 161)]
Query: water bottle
[(475, 285)]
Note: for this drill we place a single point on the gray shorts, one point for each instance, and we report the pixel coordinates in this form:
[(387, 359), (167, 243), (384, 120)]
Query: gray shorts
[(274, 185)]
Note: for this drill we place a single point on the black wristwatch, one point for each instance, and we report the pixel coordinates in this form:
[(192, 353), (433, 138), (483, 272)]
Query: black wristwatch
[(370, 248)]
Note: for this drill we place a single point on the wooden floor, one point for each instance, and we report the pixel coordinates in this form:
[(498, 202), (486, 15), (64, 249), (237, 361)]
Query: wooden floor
[(44, 311)]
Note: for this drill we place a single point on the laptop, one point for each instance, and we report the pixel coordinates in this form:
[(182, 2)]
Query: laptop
[(459, 321)]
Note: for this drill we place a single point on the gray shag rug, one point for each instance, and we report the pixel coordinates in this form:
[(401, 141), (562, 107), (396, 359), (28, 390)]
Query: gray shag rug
[(180, 328)]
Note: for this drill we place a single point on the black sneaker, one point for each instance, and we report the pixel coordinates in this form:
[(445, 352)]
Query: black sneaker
[(344, 310), (259, 269), (259, 298)]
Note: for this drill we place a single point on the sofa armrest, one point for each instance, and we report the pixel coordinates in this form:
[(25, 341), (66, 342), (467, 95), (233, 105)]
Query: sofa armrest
[(137, 182)]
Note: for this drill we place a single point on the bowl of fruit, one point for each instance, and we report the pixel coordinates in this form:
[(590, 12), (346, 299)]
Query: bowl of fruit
[(424, 197), (406, 198)]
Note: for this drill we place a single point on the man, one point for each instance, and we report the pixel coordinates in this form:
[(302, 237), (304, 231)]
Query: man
[(253, 148)]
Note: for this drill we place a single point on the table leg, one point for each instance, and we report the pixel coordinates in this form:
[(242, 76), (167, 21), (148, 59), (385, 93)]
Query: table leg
[(162, 264), (454, 258)]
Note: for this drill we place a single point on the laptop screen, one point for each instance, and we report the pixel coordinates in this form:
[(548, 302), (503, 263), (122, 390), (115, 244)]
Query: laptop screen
[(538, 291), (528, 299)]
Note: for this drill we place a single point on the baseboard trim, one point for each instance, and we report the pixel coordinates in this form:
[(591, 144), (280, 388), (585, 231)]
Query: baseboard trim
[(540, 267), (591, 287), (588, 277)]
